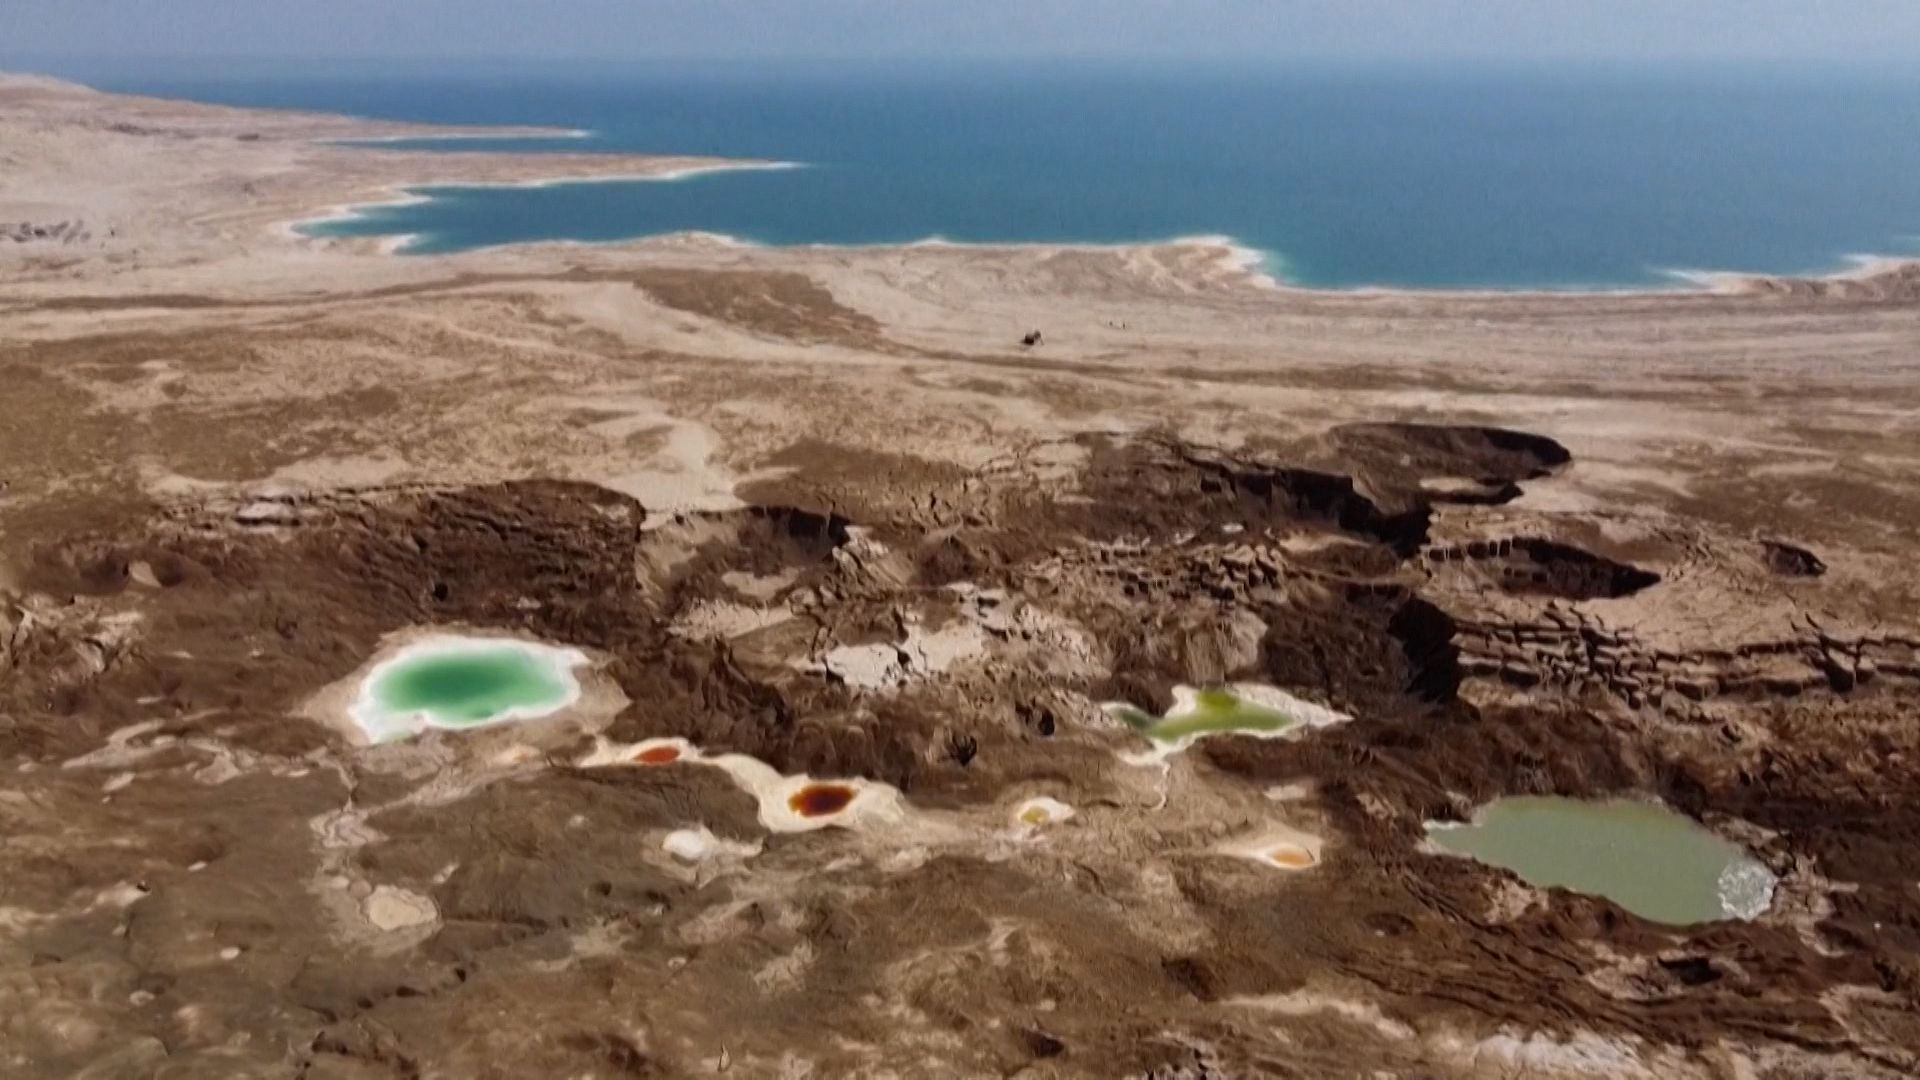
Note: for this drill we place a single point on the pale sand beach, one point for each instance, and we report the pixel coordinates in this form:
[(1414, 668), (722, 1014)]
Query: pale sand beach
[(1530, 542)]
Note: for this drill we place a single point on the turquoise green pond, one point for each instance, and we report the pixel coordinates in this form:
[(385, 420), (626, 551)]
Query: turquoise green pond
[(1205, 712), (467, 688), (1656, 863), (465, 683)]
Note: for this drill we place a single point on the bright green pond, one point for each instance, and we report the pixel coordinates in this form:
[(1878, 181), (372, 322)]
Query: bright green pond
[(1654, 862), (1207, 712), (472, 686)]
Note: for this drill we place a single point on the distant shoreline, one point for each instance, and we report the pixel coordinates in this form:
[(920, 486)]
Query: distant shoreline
[(310, 170), (417, 194), (891, 187), (1254, 263), (1257, 262)]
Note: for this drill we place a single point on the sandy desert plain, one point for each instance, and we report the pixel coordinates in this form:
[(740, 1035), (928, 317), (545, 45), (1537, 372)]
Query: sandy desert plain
[(842, 575)]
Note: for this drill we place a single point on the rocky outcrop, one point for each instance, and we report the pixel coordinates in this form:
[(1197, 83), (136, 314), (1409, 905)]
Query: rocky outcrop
[(73, 231)]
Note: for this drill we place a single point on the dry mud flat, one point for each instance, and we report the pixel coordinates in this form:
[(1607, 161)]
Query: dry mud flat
[(203, 881)]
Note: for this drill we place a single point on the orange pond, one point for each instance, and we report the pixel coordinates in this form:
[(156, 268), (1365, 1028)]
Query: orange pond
[(820, 800), (658, 755), (1293, 858)]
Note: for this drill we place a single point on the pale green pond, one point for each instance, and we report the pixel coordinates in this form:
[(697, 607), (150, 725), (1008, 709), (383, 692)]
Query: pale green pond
[(1656, 863), (1205, 712)]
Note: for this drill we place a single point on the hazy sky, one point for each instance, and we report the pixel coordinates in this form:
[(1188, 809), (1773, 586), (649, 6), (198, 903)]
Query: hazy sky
[(1873, 30)]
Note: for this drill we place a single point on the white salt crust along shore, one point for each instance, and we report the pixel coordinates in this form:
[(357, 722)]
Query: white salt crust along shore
[(1260, 269), (380, 725), (872, 805), (470, 136), (415, 194)]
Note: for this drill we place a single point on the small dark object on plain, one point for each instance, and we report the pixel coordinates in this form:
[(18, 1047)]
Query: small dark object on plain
[(1031, 339)]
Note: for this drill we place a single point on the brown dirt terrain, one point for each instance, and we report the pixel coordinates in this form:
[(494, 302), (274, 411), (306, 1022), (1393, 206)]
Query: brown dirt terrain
[(1160, 562), (820, 509)]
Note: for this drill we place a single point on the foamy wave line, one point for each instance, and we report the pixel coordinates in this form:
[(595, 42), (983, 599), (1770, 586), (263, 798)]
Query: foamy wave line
[(343, 212), (665, 177), (400, 243), (1261, 268), (417, 194), (458, 136), (1853, 267), (1265, 268)]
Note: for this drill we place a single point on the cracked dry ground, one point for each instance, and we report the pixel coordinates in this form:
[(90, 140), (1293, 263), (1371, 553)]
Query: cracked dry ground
[(201, 882)]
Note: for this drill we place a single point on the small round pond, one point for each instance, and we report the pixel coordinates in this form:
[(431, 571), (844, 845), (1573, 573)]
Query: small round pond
[(1041, 811), (463, 683), (821, 800), (1656, 863)]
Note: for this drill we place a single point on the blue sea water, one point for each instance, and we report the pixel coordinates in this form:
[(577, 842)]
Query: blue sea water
[(1342, 176)]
